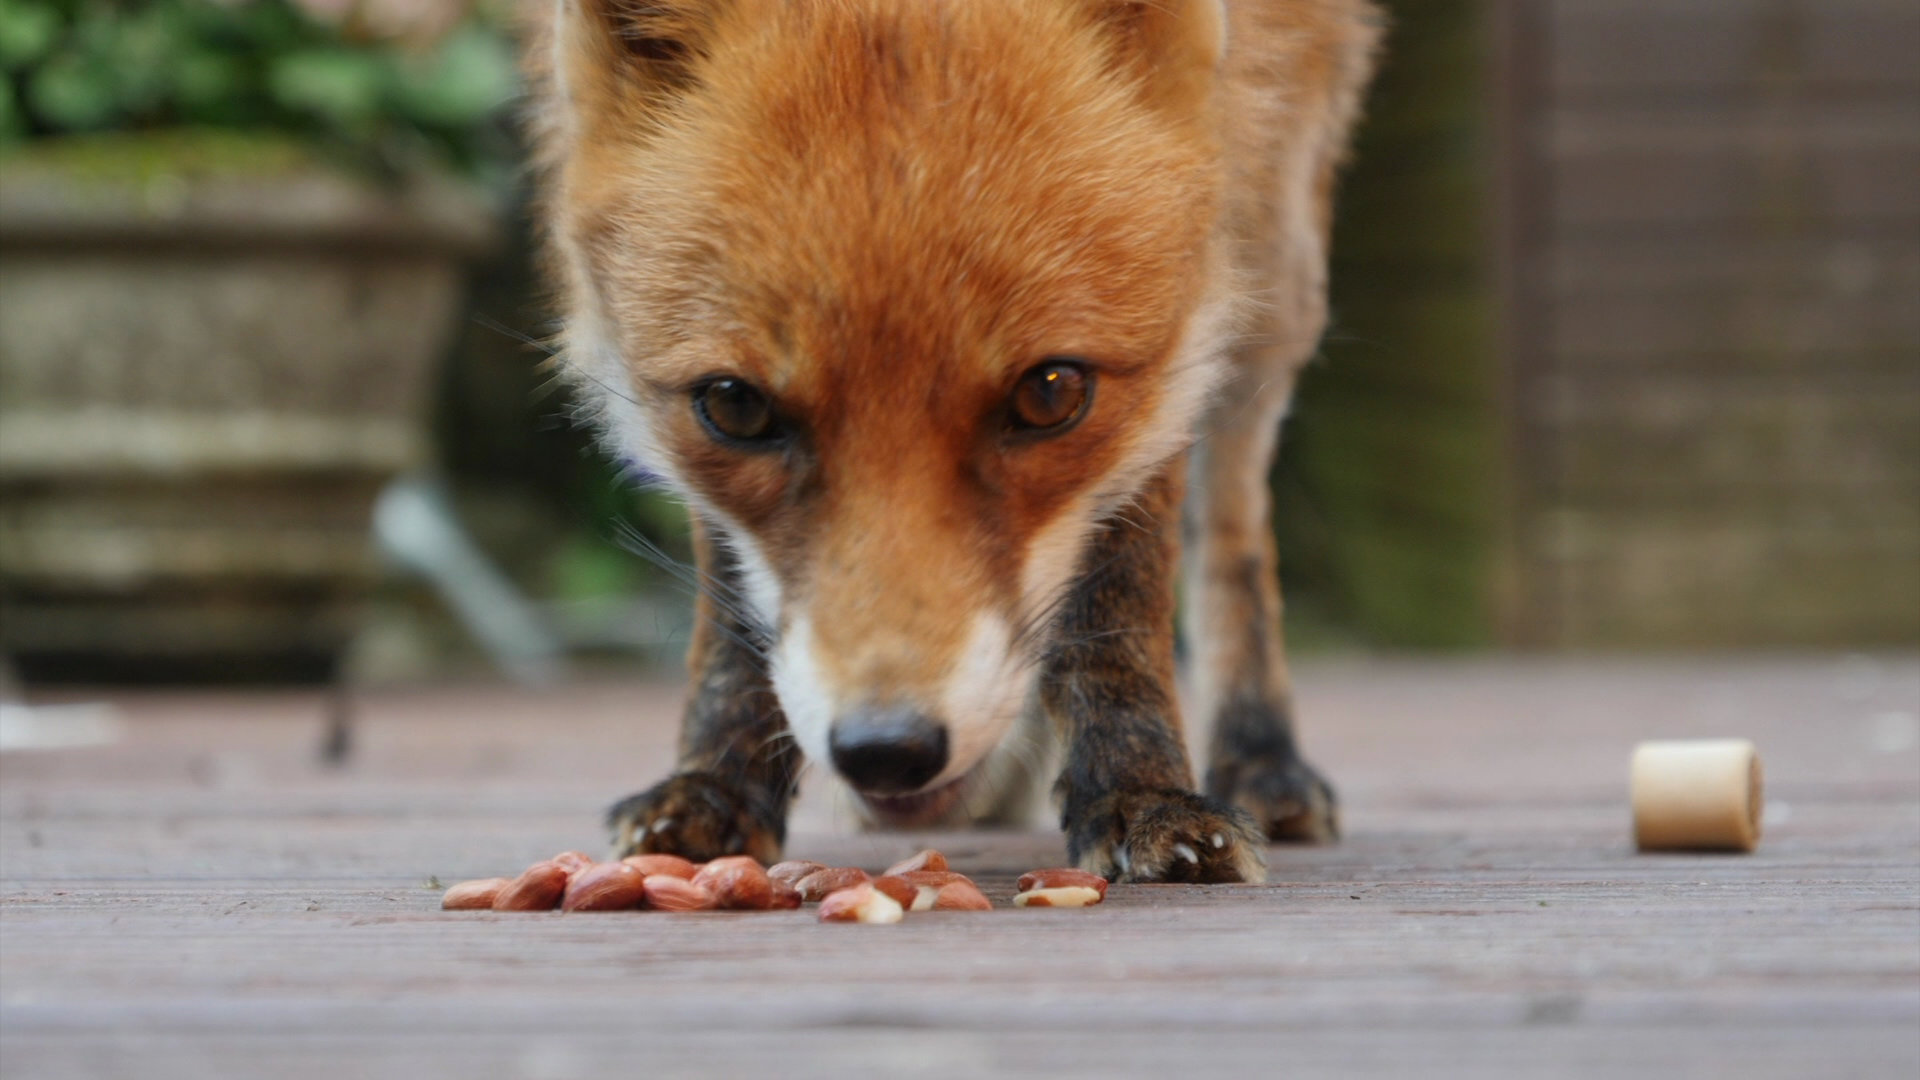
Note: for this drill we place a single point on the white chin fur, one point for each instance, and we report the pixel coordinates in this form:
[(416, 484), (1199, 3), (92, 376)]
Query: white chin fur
[(803, 696), (983, 694)]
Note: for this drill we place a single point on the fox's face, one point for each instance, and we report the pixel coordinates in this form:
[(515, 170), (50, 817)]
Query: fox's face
[(906, 298)]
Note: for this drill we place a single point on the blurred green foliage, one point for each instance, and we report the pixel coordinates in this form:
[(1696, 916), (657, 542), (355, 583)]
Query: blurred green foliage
[(388, 102), (1387, 491)]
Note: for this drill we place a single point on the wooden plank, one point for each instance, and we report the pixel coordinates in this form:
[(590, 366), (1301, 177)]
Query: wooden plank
[(1663, 49), (479, 1046), (1763, 166), (1838, 263), (1714, 577), (1745, 463), (1695, 508), (1822, 306), (1767, 323), (1727, 433), (1649, 441)]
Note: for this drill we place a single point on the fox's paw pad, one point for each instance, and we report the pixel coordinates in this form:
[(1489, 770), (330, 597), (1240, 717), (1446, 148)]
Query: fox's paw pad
[(1168, 836), (1291, 801), (695, 816)]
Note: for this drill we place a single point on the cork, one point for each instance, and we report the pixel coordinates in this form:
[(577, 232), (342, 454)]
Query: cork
[(1696, 795)]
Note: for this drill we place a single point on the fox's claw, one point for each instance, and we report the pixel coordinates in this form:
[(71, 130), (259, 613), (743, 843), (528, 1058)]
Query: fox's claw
[(696, 816), (1167, 836)]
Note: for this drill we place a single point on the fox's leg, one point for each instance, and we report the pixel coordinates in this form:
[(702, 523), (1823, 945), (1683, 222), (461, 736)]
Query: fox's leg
[(1316, 59), (1233, 623), (1127, 797), (1298, 73), (738, 768)]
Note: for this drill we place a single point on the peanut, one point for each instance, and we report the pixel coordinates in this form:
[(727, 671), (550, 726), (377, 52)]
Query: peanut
[(668, 893), (961, 896), (901, 891), (671, 865), (793, 870), (737, 883), (817, 885), (926, 860), (860, 903), (1059, 896), (473, 895), (574, 861), (538, 888), (785, 897), (605, 887), (935, 878), (1061, 876)]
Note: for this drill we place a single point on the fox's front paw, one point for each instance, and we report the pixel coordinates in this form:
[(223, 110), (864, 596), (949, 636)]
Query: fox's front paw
[(1286, 796), (1166, 836), (696, 816)]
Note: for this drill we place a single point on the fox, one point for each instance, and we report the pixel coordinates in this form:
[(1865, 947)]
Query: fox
[(960, 327)]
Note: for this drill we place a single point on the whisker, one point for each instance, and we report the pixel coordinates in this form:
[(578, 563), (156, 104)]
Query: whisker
[(736, 625), (693, 570), (1057, 649), (1041, 619), (784, 741), (730, 603), (1025, 747), (488, 323)]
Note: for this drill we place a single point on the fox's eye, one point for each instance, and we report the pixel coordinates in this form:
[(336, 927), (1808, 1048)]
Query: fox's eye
[(735, 409), (1052, 395)]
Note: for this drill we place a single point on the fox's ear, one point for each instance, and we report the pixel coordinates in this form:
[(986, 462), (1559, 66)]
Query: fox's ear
[(1173, 47), (648, 48)]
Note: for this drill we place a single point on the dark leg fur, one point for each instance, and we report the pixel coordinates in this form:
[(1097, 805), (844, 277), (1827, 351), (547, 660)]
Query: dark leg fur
[(1253, 764), (1253, 760), (738, 769), (1127, 801)]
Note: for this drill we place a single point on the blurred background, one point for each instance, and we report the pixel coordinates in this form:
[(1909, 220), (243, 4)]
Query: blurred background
[(1626, 352)]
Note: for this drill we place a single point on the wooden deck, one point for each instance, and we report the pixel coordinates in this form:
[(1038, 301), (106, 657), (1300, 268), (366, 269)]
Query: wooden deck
[(203, 898)]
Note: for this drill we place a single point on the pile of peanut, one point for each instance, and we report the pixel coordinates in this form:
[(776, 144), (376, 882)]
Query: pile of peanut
[(574, 881)]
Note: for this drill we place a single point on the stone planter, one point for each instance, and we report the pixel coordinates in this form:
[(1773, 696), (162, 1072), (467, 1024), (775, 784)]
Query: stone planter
[(204, 382)]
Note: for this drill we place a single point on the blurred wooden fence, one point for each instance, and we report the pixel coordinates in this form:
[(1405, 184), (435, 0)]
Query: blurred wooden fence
[(1628, 344)]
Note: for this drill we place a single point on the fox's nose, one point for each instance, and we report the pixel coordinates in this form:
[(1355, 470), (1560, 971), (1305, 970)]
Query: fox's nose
[(888, 751)]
